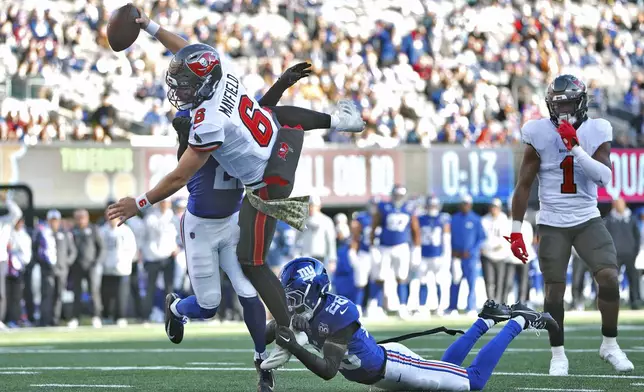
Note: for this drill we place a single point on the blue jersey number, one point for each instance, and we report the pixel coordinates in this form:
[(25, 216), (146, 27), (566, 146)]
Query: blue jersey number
[(432, 236), (397, 221), (224, 180)]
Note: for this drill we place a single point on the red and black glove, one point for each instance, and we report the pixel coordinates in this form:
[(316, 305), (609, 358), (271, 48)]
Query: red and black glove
[(568, 134), (518, 246)]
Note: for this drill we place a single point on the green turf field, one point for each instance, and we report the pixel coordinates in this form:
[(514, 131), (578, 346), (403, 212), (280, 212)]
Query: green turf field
[(219, 358)]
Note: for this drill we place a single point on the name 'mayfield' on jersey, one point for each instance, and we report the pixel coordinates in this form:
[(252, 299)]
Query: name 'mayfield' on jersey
[(231, 88)]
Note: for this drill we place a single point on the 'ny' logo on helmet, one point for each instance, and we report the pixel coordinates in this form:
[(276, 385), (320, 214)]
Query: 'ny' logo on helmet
[(203, 64), (306, 273)]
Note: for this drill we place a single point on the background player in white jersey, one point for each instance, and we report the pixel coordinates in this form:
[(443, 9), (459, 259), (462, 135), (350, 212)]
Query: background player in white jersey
[(570, 154), (258, 146), (332, 325)]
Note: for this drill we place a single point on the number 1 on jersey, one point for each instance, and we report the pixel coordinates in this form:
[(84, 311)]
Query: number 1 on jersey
[(568, 166)]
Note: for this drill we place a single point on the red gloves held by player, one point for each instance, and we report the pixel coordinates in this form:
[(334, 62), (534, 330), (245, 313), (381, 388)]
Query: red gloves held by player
[(568, 134), (518, 246)]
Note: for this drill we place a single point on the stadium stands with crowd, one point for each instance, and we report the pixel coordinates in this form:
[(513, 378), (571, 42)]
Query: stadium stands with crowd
[(429, 72)]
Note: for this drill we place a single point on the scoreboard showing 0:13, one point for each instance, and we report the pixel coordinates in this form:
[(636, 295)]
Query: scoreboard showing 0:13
[(483, 174)]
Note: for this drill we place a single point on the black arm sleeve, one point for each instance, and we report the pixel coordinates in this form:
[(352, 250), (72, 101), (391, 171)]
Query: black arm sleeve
[(183, 146), (333, 351), (270, 331), (273, 95)]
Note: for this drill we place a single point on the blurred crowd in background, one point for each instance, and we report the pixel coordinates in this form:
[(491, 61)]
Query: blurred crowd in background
[(69, 270), (466, 72)]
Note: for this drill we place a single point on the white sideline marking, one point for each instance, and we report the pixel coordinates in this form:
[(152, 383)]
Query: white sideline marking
[(638, 384), (243, 350), (79, 386), (559, 389), (19, 372), (252, 369), (137, 368), (570, 375), (215, 363)]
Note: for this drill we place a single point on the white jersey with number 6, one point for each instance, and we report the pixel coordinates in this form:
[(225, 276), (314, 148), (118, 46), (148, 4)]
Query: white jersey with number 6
[(233, 121), (566, 195)]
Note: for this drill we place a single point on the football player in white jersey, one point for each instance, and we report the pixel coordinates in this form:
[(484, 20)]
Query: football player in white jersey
[(570, 155), (259, 146)]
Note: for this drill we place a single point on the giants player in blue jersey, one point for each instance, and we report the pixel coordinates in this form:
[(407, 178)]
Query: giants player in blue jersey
[(399, 228), (433, 272), (333, 327), (210, 233), (364, 258)]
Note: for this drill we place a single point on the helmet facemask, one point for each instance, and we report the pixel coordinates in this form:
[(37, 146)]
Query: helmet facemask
[(192, 76), (300, 300), (570, 110), (398, 196), (567, 100)]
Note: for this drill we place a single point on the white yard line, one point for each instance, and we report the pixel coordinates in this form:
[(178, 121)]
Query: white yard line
[(252, 369), (79, 386), (19, 372), (559, 389), (215, 363), (638, 384), (243, 350)]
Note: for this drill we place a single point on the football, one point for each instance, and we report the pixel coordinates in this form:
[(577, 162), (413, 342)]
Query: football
[(122, 30)]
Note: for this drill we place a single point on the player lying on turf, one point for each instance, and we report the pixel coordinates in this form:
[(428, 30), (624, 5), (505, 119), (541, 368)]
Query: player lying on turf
[(259, 146), (332, 324), (209, 233)]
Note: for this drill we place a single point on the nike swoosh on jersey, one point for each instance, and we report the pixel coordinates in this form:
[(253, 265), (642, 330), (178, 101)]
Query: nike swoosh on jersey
[(196, 126), (344, 311)]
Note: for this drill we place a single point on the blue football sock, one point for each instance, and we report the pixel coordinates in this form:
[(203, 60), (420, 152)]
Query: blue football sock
[(458, 350), (359, 296), (453, 295), (377, 293), (255, 319), (190, 308), (403, 293), (481, 369), (422, 295)]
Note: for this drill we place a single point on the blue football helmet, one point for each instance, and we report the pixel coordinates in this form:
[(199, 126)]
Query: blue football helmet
[(433, 205), (398, 194), (305, 282)]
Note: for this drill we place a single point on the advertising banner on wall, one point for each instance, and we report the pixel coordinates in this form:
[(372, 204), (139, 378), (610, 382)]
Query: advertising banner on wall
[(87, 175), (628, 176)]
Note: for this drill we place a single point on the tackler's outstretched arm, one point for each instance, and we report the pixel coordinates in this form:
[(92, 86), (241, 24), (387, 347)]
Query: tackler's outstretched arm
[(333, 351)]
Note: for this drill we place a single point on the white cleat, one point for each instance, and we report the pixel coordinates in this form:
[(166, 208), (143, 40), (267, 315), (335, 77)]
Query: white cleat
[(73, 323), (559, 366), (616, 357), (96, 322), (279, 356), (349, 117), (403, 313)]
